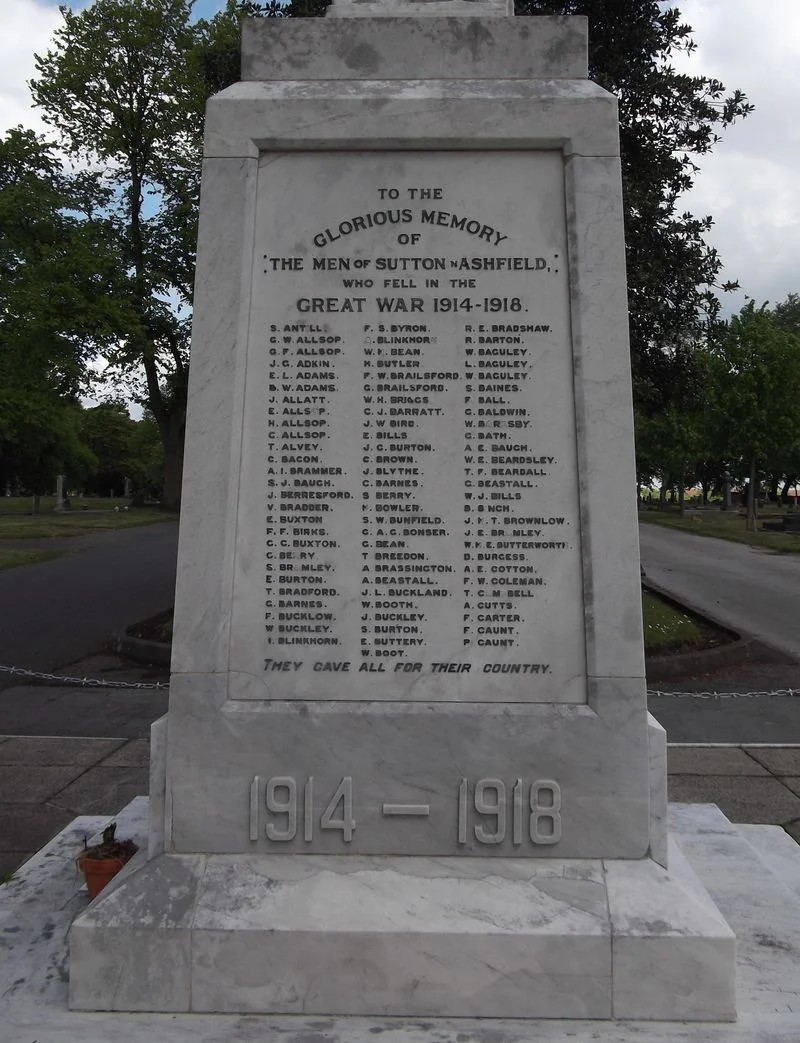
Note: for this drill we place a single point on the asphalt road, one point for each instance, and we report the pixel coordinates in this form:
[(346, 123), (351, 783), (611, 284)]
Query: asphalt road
[(752, 591), (58, 612)]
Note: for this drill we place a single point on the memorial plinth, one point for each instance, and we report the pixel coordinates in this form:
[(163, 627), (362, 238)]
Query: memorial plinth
[(407, 765)]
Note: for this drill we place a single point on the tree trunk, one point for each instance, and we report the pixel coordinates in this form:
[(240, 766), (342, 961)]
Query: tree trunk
[(172, 434), (751, 498), (704, 487), (681, 496), (37, 504)]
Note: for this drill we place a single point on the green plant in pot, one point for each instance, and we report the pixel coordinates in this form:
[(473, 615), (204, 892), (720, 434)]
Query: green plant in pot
[(100, 862)]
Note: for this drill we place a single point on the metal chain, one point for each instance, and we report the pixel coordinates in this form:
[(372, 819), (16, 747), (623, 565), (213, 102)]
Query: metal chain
[(723, 695), (84, 682), (91, 682)]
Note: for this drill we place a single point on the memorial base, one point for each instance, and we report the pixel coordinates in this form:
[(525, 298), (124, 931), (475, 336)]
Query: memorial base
[(449, 937)]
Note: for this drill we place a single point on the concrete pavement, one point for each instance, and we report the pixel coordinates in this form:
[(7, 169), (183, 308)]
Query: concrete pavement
[(728, 719), (750, 590)]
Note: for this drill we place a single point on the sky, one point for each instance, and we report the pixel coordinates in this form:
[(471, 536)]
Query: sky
[(750, 184)]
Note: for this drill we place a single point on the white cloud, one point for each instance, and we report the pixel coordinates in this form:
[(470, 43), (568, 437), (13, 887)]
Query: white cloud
[(750, 182), (26, 27)]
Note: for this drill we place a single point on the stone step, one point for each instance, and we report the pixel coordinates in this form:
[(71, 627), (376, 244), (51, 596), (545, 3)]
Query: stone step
[(41, 902), (776, 849), (759, 906), (37, 907)]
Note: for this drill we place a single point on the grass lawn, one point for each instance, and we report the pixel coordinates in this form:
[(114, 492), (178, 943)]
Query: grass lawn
[(727, 525), (9, 559), (667, 629), (17, 522), (24, 504)]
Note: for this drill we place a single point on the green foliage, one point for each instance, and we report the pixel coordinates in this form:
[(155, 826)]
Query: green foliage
[(40, 438), (57, 308), (787, 314), (753, 407), (754, 377), (741, 411), (125, 448), (668, 444), (58, 268), (146, 460)]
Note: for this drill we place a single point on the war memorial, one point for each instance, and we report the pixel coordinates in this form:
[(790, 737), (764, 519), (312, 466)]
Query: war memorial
[(408, 767), (407, 787)]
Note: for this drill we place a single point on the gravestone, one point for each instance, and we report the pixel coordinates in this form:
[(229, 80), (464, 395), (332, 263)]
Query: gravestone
[(60, 503), (407, 766)]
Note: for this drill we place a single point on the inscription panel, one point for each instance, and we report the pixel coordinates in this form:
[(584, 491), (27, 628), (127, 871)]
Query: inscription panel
[(408, 510)]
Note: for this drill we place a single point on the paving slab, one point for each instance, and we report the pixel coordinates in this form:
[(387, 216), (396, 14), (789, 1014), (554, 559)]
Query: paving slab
[(133, 754), (97, 712), (25, 827), (683, 760), (55, 750), (10, 861), (741, 798), (792, 782), (767, 719), (779, 762), (37, 786), (103, 791)]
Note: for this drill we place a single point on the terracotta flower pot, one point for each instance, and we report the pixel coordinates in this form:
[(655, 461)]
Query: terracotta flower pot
[(98, 871)]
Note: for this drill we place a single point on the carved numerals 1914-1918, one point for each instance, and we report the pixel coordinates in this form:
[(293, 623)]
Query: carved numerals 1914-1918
[(489, 811)]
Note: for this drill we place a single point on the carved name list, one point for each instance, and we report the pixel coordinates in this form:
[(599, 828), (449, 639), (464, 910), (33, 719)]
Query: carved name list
[(408, 520)]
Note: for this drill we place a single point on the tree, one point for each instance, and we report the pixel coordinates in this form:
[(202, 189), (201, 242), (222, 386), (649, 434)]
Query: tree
[(666, 119), (125, 449), (672, 442), (147, 460), (57, 308), (58, 268), (107, 429), (123, 91), (787, 317), (46, 442), (753, 405)]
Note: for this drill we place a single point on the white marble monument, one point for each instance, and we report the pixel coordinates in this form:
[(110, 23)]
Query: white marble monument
[(407, 767)]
